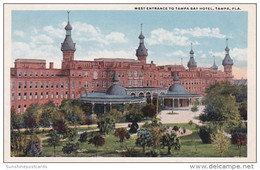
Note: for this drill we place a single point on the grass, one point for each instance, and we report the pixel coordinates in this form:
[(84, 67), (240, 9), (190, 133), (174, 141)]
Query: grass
[(191, 146)]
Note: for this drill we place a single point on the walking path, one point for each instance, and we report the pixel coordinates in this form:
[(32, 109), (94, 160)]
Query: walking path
[(182, 116)]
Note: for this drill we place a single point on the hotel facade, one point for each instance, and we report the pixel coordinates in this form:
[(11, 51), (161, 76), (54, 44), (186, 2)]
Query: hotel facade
[(32, 82)]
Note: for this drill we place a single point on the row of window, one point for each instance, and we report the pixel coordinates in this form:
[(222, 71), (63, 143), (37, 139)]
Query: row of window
[(48, 85), (42, 95), (36, 74)]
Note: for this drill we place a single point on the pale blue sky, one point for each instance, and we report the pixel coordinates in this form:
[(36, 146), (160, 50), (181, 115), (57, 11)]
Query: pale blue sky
[(38, 34)]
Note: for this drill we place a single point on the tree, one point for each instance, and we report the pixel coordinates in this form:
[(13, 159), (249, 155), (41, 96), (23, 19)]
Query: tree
[(34, 146), (144, 139), (105, 124), (30, 117), (70, 133), (170, 140), (72, 112), (243, 110), (221, 111), (53, 140), (134, 114), (70, 147), (48, 110), (18, 143), (97, 141), (117, 115), (16, 120), (122, 133), (220, 142), (60, 126), (149, 110)]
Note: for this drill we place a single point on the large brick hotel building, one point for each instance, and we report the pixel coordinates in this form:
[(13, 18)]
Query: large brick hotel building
[(33, 82)]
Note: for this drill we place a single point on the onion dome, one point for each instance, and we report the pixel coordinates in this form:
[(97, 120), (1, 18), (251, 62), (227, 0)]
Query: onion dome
[(192, 63), (227, 60), (68, 44), (141, 51)]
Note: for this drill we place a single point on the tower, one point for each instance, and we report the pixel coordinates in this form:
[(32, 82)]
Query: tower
[(192, 63), (227, 61), (68, 46), (141, 52), (214, 67)]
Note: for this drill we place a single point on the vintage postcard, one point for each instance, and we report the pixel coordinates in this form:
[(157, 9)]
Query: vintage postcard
[(129, 82)]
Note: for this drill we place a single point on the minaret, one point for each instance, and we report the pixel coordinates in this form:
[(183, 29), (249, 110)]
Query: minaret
[(141, 52), (214, 67), (227, 61), (68, 47), (192, 63)]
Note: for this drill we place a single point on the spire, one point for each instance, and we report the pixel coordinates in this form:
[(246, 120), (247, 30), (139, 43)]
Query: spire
[(141, 52), (227, 60), (141, 36), (191, 50), (68, 44), (227, 49), (214, 67), (192, 63), (68, 27)]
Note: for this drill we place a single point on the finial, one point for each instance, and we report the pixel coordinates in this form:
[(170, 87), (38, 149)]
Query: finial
[(191, 45), (68, 16), (141, 27), (181, 61), (214, 58)]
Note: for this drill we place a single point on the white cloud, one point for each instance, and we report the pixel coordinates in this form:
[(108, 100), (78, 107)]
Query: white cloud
[(116, 37), (200, 32), (203, 56), (235, 53), (54, 32), (165, 37), (110, 54), (41, 39), (19, 33), (84, 32), (29, 51), (177, 53)]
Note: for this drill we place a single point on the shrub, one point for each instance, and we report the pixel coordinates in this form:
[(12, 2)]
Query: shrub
[(175, 128), (133, 128), (34, 147), (205, 133), (70, 147), (194, 108), (83, 137)]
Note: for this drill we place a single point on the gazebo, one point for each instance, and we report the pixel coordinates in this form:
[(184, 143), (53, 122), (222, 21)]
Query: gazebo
[(115, 95), (177, 97)]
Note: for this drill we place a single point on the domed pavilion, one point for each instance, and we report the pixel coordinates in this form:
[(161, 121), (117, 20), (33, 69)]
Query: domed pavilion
[(177, 97), (115, 95)]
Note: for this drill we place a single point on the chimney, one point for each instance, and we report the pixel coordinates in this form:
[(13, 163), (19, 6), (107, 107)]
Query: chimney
[(152, 62), (51, 65)]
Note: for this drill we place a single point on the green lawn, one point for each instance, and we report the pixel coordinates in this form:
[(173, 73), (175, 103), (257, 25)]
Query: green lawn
[(191, 146)]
